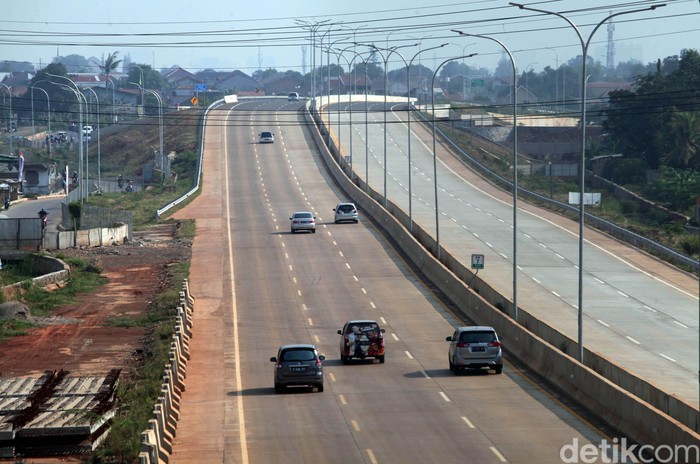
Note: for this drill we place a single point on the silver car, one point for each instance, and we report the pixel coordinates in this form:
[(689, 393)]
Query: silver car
[(475, 347), (346, 212), (303, 220), (298, 364), (267, 137)]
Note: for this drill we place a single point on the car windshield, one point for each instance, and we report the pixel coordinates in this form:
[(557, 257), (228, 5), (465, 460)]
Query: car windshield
[(477, 337), (298, 355)]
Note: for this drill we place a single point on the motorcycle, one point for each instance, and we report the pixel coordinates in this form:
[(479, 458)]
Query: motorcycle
[(44, 216)]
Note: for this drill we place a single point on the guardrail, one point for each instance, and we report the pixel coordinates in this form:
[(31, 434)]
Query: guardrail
[(157, 440), (198, 177)]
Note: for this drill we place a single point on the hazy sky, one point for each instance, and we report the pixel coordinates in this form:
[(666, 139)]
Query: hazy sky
[(228, 35)]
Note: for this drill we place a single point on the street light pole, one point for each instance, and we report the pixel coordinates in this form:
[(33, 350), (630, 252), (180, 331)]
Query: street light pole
[(386, 92), (408, 118), (515, 165), (160, 126), (556, 76), (432, 99), (48, 104), (9, 91), (99, 176), (582, 174), (80, 97)]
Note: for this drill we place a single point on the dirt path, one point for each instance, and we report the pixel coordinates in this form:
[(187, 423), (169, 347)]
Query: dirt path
[(136, 272)]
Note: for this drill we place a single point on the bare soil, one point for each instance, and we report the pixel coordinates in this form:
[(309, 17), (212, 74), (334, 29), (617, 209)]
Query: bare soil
[(82, 342)]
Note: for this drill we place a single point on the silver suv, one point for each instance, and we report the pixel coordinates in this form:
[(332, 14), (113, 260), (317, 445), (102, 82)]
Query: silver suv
[(298, 364), (475, 347)]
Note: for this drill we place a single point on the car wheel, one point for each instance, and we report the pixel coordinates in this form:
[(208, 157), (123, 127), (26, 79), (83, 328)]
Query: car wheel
[(356, 221), (313, 231), (381, 359), (336, 221), (499, 368), (279, 388), (292, 230), (452, 366), (457, 370), (343, 359), (320, 388)]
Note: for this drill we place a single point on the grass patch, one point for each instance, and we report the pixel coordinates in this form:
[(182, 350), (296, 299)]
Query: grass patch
[(13, 328), (139, 392), (85, 277)]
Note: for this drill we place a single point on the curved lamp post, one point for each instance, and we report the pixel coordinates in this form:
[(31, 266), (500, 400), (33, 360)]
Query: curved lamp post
[(48, 114), (79, 96), (386, 92), (432, 99), (582, 175), (408, 117), (515, 165), (350, 64), (160, 126), (9, 91), (99, 175)]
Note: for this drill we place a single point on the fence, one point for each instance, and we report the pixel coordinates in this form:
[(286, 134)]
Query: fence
[(95, 217)]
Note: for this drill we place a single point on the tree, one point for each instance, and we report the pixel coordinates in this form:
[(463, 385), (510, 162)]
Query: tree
[(110, 64), (685, 132)]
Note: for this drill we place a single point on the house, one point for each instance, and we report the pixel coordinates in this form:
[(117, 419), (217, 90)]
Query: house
[(179, 78), (89, 80), (240, 83), (18, 82), (281, 84)]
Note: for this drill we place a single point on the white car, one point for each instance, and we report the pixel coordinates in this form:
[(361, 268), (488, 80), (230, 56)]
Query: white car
[(345, 212), (293, 96), (303, 220), (267, 137)]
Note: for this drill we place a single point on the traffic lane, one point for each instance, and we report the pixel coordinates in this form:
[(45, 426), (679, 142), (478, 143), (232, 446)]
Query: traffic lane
[(274, 280), (549, 258), (402, 299)]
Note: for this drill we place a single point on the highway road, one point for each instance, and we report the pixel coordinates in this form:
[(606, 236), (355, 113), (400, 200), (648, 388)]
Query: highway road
[(638, 312), (258, 286)]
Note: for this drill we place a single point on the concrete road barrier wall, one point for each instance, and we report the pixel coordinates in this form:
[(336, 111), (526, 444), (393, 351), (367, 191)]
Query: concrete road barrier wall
[(637, 417), (157, 440)]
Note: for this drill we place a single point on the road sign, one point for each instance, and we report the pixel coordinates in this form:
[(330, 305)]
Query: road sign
[(200, 87), (477, 82), (477, 261), (194, 101)]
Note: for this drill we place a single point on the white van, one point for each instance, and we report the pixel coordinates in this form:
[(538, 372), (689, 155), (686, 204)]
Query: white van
[(87, 130)]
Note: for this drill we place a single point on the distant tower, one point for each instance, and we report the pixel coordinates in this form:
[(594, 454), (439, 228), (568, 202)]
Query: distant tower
[(610, 64), (303, 60)]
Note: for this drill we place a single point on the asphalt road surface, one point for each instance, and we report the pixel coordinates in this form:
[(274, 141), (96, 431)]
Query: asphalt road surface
[(258, 286)]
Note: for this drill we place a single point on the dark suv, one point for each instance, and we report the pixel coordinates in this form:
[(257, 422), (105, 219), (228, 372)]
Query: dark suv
[(298, 364), (475, 347)]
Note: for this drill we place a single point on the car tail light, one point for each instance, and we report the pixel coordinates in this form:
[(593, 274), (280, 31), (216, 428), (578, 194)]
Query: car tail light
[(495, 344), (279, 365), (319, 363), (462, 345)]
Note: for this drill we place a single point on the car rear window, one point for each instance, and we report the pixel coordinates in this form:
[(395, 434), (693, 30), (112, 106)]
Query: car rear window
[(477, 337), (303, 215), (363, 328), (345, 208), (298, 355)]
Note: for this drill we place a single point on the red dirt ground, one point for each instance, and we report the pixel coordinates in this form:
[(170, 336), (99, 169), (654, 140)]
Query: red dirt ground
[(136, 272)]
